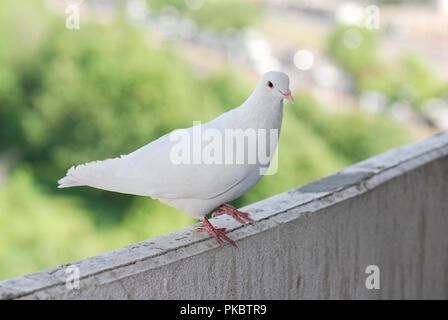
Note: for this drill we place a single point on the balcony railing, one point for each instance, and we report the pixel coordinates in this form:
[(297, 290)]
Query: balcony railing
[(375, 230)]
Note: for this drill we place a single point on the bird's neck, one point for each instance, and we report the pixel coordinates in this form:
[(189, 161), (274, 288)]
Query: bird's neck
[(263, 111)]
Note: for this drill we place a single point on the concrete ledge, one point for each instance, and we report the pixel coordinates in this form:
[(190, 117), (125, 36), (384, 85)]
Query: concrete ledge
[(314, 241)]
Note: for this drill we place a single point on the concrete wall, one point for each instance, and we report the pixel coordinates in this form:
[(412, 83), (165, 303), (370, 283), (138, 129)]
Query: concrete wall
[(314, 241)]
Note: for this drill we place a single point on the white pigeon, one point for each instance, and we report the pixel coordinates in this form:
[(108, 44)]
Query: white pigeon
[(196, 187)]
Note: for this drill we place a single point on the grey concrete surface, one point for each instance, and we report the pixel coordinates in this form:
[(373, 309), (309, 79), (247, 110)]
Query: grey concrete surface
[(312, 242)]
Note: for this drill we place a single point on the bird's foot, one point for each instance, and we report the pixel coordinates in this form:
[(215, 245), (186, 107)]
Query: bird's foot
[(234, 212), (218, 233)]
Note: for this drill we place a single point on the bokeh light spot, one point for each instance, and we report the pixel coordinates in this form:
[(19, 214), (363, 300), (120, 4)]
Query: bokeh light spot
[(352, 38), (303, 59)]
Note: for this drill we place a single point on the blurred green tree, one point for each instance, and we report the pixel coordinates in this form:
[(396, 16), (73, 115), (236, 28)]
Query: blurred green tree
[(216, 15), (407, 79), (354, 48)]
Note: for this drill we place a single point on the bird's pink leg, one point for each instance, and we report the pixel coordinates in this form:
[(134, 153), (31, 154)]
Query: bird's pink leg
[(234, 212), (218, 233)]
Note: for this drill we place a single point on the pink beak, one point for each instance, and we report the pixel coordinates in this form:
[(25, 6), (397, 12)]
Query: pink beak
[(288, 96)]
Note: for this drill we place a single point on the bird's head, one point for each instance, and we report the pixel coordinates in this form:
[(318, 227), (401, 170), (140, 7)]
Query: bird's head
[(276, 83)]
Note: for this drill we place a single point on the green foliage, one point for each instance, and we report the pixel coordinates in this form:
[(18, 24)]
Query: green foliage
[(342, 45), (409, 79), (353, 135), (89, 89), (20, 40), (217, 15)]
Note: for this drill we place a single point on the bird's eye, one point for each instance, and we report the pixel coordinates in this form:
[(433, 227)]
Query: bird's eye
[(270, 85)]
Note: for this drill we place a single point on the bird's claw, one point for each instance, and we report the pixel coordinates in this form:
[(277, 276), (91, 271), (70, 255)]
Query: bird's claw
[(218, 233), (234, 212)]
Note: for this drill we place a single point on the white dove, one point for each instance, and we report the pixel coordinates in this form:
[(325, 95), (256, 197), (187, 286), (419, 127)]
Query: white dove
[(197, 187)]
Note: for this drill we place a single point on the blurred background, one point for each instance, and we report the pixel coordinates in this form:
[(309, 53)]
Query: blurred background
[(367, 76)]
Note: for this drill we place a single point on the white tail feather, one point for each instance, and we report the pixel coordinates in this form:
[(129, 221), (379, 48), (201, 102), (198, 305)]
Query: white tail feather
[(68, 182), (91, 174), (104, 175)]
